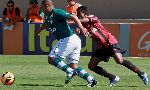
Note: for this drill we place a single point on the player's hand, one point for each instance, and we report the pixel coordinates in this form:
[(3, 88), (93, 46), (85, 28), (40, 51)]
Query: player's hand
[(85, 32)]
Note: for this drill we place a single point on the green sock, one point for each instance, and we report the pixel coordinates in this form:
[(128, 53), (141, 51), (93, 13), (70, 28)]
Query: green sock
[(83, 74), (61, 65)]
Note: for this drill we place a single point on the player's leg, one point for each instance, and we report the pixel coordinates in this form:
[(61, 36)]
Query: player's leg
[(73, 65), (73, 59), (86, 76), (93, 66), (61, 51), (56, 58), (81, 73), (98, 56), (58, 62), (119, 59)]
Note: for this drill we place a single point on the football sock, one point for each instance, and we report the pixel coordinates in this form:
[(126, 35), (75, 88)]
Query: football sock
[(61, 65), (99, 70), (132, 67), (83, 74)]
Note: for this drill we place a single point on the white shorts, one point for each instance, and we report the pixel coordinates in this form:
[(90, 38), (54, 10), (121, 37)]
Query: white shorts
[(67, 48)]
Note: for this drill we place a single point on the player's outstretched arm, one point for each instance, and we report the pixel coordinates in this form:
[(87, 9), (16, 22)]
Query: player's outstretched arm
[(76, 20), (43, 26), (84, 20)]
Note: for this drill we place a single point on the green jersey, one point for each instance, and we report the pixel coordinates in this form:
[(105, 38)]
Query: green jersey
[(57, 23)]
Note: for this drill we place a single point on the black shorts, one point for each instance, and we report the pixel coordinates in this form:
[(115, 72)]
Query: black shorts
[(108, 52)]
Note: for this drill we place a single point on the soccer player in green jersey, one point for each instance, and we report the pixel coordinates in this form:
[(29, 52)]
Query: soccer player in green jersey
[(69, 44)]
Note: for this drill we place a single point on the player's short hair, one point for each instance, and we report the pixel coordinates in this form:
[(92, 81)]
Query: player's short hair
[(82, 9)]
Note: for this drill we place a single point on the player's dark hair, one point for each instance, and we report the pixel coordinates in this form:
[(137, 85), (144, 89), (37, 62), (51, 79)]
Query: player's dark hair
[(83, 9), (10, 1)]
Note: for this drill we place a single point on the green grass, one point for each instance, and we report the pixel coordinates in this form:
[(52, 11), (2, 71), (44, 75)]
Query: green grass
[(34, 73)]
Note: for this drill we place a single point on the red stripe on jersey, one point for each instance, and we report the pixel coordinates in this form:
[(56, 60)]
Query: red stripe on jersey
[(102, 37)]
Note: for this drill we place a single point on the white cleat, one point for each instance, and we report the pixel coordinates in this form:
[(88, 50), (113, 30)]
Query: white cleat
[(114, 81)]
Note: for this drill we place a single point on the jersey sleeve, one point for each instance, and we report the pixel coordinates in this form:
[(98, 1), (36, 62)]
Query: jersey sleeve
[(5, 11), (41, 12), (62, 15), (93, 19)]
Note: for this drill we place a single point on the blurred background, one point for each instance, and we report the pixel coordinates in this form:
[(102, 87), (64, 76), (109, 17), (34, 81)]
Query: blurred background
[(104, 9), (127, 20)]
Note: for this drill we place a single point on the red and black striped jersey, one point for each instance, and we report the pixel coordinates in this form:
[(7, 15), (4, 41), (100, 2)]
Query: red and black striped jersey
[(98, 33)]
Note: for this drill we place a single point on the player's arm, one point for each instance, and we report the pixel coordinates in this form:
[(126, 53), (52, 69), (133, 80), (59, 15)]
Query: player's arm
[(84, 20), (91, 20), (77, 21), (78, 32), (62, 15), (43, 26)]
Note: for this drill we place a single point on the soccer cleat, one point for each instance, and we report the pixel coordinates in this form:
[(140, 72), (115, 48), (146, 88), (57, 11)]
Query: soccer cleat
[(144, 78), (67, 81), (92, 83), (114, 81), (69, 77)]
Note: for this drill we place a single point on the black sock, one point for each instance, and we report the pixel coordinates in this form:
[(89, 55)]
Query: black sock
[(132, 67), (99, 70)]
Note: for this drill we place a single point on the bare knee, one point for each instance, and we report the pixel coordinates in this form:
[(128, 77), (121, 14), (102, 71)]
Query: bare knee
[(118, 62), (91, 65), (93, 62), (50, 59), (118, 58), (73, 65)]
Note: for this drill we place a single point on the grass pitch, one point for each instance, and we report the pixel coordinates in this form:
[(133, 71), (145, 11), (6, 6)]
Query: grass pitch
[(34, 73)]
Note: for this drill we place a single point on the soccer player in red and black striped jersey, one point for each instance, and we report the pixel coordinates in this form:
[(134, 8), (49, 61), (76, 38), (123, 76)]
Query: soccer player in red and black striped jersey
[(108, 47)]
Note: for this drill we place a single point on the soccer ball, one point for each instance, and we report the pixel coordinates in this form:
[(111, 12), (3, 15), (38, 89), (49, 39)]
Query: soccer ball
[(7, 78)]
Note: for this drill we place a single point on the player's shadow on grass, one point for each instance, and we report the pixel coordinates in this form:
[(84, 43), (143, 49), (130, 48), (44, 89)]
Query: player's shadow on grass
[(52, 85), (79, 85), (56, 85), (127, 86), (120, 86)]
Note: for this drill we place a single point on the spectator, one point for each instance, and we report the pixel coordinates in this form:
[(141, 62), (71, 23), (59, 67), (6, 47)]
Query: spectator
[(34, 13), (72, 7), (11, 15)]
